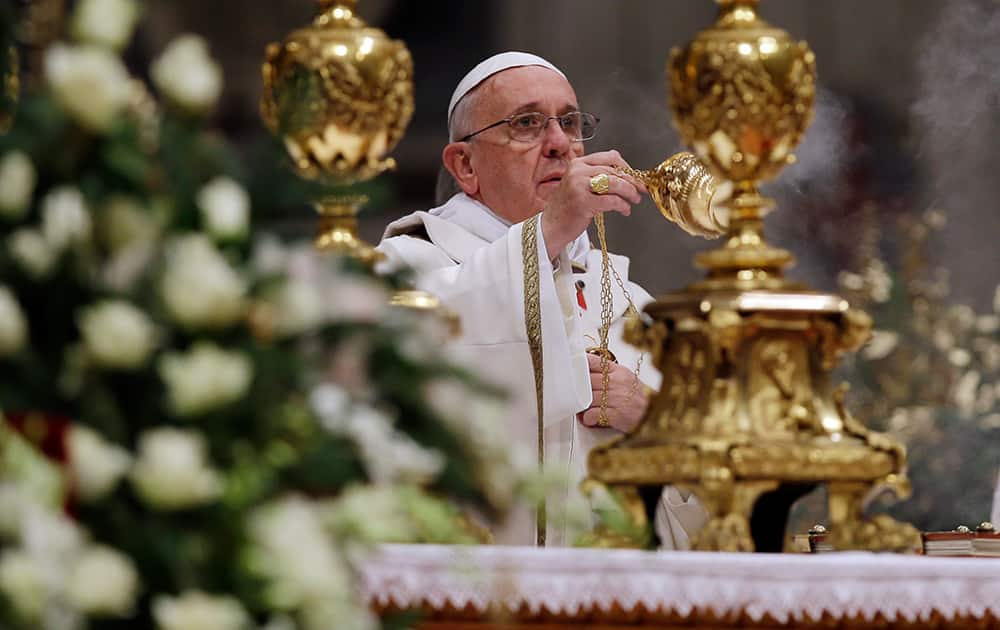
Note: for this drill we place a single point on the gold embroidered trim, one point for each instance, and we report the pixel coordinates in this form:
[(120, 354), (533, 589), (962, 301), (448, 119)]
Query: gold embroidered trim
[(533, 325)]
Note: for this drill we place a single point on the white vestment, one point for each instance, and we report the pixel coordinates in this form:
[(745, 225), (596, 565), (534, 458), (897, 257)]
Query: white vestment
[(473, 261)]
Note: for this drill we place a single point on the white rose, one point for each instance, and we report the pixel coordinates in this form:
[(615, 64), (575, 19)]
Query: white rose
[(297, 555), (330, 402), (269, 256), (373, 514), (125, 268), (388, 455), (225, 208), (13, 324), (22, 581), (298, 308), (17, 184), (187, 75), (48, 532), (95, 465), (205, 378), (105, 22), (199, 287), (13, 503), (355, 298), (342, 613), (91, 84), (117, 335), (194, 610), (65, 218), (103, 582), (32, 252), (171, 472)]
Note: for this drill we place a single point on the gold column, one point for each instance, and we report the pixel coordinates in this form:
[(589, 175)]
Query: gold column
[(747, 418)]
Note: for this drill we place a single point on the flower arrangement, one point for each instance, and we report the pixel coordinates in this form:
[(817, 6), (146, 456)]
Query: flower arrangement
[(226, 424)]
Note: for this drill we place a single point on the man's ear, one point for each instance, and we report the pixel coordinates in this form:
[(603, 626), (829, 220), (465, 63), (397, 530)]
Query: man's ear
[(458, 160)]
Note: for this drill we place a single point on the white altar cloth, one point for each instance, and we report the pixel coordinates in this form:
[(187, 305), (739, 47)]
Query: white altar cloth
[(788, 587)]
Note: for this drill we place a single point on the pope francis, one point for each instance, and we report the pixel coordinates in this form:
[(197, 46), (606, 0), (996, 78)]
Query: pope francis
[(510, 254)]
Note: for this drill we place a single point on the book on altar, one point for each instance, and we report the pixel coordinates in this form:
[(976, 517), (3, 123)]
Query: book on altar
[(982, 542)]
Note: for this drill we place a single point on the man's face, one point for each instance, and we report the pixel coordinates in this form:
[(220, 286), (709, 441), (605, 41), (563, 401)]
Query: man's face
[(515, 178)]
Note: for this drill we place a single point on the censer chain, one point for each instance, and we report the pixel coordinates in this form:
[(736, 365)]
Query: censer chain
[(607, 306)]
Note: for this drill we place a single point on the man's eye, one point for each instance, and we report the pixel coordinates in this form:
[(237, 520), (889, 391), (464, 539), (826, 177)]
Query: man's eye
[(570, 121), (524, 122)]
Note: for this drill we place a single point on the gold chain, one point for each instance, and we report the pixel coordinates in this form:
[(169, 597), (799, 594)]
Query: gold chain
[(607, 304)]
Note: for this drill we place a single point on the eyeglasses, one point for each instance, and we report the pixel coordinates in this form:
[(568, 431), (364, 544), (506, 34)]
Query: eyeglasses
[(528, 127)]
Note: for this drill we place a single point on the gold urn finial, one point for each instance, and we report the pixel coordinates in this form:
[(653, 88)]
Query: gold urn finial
[(339, 93)]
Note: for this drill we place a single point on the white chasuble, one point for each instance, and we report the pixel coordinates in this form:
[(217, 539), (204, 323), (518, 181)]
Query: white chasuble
[(475, 263)]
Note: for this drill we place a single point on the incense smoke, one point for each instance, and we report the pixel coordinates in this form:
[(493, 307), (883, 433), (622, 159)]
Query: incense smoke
[(956, 122)]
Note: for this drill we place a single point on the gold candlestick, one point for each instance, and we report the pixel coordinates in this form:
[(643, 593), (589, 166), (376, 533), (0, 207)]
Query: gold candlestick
[(340, 95), (747, 418)]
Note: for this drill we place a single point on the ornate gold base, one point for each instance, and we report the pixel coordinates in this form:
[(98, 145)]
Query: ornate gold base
[(747, 420)]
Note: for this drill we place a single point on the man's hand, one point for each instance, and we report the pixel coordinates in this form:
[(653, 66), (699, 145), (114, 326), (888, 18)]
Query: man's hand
[(569, 210), (627, 400)]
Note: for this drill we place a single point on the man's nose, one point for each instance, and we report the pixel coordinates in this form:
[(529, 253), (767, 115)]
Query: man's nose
[(555, 142)]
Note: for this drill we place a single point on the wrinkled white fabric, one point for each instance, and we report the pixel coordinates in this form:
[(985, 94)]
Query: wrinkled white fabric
[(787, 587), (472, 260)]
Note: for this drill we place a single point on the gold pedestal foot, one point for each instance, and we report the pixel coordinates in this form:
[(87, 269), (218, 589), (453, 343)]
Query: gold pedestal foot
[(849, 530), (730, 506)]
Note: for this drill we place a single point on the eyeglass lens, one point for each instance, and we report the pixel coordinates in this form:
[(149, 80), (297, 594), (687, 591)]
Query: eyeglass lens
[(576, 125)]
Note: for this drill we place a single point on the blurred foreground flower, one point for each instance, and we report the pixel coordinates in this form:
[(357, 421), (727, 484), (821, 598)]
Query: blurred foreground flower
[(187, 75), (17, 184), (117, 335), (95, 464), (105, 22), (195, 610), (92, 84), (225, 208), (199, 286), (13, 325), (103, 582), (205, 378), (171, 471)]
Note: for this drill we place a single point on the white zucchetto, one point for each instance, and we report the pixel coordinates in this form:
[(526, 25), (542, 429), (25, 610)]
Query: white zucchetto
[(489, 67)]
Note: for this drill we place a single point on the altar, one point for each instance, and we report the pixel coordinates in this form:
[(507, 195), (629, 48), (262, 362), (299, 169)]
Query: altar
[(465, 588)]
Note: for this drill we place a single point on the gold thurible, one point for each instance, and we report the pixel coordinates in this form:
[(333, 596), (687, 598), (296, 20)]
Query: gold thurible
[(339, 94), (748, 419)]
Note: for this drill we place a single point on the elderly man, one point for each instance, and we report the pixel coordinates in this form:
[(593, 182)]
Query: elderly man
[(510, 254)]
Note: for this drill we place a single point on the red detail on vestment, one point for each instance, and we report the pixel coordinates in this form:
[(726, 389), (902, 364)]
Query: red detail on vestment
[(582, 301)]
